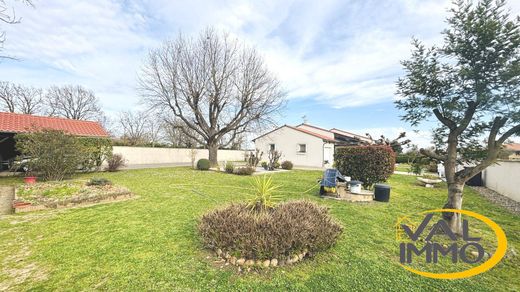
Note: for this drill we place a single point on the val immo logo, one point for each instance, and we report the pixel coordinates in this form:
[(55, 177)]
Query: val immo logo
[(422, 241)]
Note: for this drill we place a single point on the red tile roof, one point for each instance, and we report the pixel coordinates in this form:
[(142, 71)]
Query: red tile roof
[(311, 133), (513, 146), (22, 123)]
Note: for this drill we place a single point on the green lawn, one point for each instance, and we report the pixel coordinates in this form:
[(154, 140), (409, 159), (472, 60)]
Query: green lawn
[(405, 167), (151, 243)]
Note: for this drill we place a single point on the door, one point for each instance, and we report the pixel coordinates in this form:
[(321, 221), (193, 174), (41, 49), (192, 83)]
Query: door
[(328, 155)]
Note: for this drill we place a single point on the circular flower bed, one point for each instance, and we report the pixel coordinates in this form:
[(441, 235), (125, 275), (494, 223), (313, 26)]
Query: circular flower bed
[(281, 235)]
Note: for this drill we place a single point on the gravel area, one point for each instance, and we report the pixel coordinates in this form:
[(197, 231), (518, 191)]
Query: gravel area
[(499, 199)]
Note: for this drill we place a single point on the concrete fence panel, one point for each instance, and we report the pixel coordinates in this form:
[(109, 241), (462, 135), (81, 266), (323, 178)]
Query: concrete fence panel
[(504, 178), (152, 155)]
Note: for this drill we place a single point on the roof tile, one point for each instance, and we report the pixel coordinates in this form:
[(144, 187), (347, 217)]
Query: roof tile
[(22, 123)]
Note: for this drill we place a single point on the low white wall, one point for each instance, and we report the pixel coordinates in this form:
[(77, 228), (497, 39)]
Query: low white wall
[(504, 178), (152, 155)]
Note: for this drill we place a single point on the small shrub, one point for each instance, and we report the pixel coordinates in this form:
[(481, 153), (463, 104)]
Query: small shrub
[(285, 230), (287, 165), (369, 164), (265, 165), (203, 164), (264, 197), (276, 165), (99, 181), (229, 167), (247, 170), (115, 162)]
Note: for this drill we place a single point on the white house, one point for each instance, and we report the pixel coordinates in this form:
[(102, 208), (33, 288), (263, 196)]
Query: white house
[(306, 145)]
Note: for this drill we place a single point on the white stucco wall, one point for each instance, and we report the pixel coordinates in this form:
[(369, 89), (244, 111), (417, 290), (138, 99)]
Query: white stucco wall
[(286, 140), (504, 178), (152, 155)]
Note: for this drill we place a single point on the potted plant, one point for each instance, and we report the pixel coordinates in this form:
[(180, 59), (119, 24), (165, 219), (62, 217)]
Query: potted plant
[(29, 178)]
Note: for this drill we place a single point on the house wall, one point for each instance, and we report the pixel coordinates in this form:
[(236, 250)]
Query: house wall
[(153, 155), (504, 178), (287, 140)]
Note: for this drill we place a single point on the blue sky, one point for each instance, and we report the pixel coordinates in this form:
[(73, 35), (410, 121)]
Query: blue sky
[(337, 60)]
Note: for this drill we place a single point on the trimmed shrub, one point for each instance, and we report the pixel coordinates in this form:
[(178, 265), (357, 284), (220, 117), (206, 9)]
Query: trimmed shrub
[(287, 165), (115, 162), (285, 230), (99, 181), (247, 170), (369, 164), (276, 165), (203, 164), (265, 165), (229, 167)]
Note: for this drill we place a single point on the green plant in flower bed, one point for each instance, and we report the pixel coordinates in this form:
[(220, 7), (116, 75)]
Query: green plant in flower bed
[(53, 194), (229, 167), (98, 181), (264, 197), (31, 193), (247, 170), (282, 231)]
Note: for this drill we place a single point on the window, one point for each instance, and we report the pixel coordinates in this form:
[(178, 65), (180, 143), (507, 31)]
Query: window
[(272, 147), (302, 148)]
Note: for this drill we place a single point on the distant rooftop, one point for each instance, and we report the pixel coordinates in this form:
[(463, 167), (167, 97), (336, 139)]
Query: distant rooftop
[(23, 123)]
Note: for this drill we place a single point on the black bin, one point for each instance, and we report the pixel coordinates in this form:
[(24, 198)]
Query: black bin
[(382, 192)]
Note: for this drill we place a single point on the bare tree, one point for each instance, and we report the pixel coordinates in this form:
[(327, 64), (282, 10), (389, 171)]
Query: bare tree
[(29, 100), (73, 102), (215, 85), (20, 99), (8, 16), (174, 133), (133, 126), (7, 97)]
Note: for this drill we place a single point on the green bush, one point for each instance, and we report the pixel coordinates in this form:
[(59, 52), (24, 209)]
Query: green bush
[(229, 167), (285, 230), (53, 154), (402, 158), (265, 165), (247, 170), (99, 181), (276, 165), (287, 165), (203, 164), (369, 164)]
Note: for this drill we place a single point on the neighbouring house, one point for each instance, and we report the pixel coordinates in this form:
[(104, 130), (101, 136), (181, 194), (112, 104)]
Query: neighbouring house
[(13, 123), (307, 145), (514, 150)]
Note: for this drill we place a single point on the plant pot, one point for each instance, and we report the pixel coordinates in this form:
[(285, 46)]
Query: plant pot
[(29, 180), (21, 204)]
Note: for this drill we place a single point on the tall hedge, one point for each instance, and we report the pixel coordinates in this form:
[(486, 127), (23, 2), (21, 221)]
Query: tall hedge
[(369, 164)]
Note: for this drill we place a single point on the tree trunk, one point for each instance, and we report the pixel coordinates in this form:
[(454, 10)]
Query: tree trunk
[(455, 186), (454, 202), (213, 152)]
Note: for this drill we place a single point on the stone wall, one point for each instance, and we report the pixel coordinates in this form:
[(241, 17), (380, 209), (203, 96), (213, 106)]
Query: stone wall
[(153, 155)]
